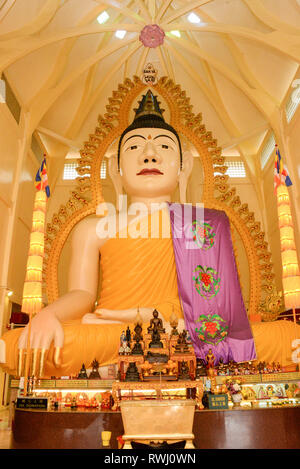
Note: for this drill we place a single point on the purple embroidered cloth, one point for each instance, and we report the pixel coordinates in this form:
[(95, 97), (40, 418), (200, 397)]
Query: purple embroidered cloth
[(208, 284)]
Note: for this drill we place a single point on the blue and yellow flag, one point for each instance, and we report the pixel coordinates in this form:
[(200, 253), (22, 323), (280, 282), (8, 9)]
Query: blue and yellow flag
[(281, 175), (41, 179)]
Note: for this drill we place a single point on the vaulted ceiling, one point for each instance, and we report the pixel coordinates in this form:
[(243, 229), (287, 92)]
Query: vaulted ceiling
[(236, 62)]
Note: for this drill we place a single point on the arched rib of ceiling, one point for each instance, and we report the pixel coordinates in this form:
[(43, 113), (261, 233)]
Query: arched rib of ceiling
[(256, 96), (132, 16), (88, 96), (258, 9), (84, 110), (287, 44), (124, 10), (39, 108), (38, 23)]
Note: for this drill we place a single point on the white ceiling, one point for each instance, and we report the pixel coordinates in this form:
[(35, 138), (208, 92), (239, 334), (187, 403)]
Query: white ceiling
[(237, 64)]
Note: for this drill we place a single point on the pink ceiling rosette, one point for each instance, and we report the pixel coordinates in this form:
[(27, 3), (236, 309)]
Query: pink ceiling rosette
[(152, 36)]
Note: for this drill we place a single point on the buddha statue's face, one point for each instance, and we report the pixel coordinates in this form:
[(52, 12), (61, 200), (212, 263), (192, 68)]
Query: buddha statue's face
[(149, 162)]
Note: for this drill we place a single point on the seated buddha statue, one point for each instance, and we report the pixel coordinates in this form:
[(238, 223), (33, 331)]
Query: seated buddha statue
[(155, 341), (156, 323), (138, 270)]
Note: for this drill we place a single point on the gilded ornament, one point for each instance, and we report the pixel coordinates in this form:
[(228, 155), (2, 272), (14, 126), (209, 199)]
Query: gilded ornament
[(236, 202), (249, 218), (243, 210)]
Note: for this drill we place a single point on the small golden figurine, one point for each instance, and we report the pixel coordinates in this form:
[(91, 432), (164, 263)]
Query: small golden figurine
[(210, 359), (146, 368), (174, 324), (171, 367)]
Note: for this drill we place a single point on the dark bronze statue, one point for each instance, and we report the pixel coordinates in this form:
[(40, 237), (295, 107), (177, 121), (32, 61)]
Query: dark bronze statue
[(95, 372), (156, 323), (132, 373), (82, 373)]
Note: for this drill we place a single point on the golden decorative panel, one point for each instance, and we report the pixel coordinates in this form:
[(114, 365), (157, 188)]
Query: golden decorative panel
[(217, 192)]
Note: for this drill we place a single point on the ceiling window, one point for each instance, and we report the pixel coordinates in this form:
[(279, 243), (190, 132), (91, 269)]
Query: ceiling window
[(120, 34), (103, 17), (70, 172), (293, 102), (103, 169), (267, 150), (236, 169), (193, 18), (10, 99)]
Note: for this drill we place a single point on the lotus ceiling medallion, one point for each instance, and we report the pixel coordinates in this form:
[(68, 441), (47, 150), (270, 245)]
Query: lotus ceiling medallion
[(152, 36)]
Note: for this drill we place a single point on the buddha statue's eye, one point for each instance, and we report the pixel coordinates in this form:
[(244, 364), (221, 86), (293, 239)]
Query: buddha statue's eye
[(134, 147), (165, 147)]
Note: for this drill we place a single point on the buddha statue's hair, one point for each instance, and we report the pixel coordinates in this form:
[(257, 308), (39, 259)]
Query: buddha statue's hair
[(149, 115)]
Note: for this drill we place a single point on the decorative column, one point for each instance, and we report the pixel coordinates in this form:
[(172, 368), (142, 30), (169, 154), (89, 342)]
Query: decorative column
[(290, 267), (32, 292)]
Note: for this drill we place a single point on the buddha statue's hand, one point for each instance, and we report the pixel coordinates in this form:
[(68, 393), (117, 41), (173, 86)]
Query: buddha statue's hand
[(44, 329), (105, 316)]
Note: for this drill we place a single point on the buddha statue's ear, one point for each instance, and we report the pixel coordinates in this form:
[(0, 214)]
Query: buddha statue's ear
[(116, 178), (187, 167)]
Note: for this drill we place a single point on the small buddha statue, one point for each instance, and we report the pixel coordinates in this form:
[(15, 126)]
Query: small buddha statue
[(82, 373), (137, 348), (184, 372), (132, 373), (95, 372), (138, 332), (156, 323), (182, 346), (156, 342), (138, 337), (200, 368), (221, 367)]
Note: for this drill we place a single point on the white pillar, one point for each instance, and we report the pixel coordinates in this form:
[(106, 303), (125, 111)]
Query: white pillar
[(24, 145)]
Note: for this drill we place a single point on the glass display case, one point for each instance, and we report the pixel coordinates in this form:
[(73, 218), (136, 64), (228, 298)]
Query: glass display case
[(258, 391), (263, 390)]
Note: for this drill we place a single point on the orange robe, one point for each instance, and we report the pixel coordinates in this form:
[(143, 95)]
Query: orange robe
[(139, 272)]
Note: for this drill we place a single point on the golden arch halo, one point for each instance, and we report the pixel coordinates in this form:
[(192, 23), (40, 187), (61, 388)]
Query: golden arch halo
[(217, 193)]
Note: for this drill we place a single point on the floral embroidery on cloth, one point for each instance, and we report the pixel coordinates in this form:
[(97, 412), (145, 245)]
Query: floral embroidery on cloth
[(207, 281), (203, 235), (213, 329)]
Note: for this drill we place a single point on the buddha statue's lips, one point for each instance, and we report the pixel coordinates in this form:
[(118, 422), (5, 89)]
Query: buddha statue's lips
[(146, 172)]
